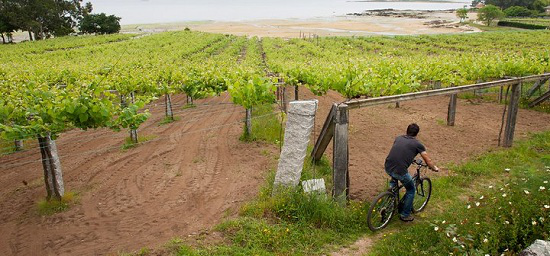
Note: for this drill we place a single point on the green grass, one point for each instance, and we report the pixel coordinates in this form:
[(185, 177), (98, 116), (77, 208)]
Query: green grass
[(50, 207), (482, 208), (493, 27), (187, 106), (8, 146), (168, 120), (128, 143), (266, 125)]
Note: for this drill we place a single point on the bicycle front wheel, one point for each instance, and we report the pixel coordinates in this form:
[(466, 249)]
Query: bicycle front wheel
[(381, 211), (423, 194)]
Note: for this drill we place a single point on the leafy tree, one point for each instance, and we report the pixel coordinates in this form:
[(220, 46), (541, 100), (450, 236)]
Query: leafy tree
[(462, 14), (537, 5), (6, 27), (489, 13), (44, 18), (518, 11), (100, 24)]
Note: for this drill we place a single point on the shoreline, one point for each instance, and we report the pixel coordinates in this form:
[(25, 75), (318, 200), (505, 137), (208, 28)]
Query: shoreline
[(366, 23)]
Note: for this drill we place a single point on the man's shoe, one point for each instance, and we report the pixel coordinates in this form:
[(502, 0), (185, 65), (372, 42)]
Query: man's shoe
[(408, 218)]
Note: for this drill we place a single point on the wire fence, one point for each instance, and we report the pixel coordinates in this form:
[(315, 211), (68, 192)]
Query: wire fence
[(106, 149)]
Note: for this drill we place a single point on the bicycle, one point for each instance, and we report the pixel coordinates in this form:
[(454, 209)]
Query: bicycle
[(387, 203)]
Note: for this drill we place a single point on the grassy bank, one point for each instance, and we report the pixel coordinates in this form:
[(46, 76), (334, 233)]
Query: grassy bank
[(495, 204)]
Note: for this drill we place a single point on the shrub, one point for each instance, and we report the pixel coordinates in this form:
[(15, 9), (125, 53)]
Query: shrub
[(100, 24), (518, 11), (515, 24)]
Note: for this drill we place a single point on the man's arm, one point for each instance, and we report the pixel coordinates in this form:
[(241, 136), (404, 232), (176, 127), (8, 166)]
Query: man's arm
[(429, 161)]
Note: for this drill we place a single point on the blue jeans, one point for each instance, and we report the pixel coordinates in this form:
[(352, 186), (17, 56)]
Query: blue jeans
[(408, 198)]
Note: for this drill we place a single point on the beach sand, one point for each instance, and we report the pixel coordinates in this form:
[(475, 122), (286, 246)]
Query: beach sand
[(348, 25), (329, 26)]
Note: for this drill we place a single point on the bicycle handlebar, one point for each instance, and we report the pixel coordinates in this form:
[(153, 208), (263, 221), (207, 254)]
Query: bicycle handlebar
[(419, 162)]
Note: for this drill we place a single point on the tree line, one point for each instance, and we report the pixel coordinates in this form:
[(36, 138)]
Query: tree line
[(43, 19)]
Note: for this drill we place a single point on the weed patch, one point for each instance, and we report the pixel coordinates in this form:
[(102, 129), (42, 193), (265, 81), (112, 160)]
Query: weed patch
[(168, 120), (266, 125), (128, 144), (50, 207)]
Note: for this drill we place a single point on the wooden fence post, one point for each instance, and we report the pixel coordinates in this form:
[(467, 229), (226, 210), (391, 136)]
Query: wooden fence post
[(451, 113), (248, 122), (512, 115), (284, 99), (296, 92), (341, 155), (326, 135), (500, 94), (18, 145)]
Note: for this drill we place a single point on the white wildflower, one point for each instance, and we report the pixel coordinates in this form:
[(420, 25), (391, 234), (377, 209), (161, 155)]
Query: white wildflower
[(506, 222), (526, 192), (477, 203), (436, 228), (487, 254), (455, 240), (477, 223), (443, 222), (490, 186), (504, 195), (448, 235), (510, 203), (541, 188), (485, 240), (469, 207), (534, 223), (507, 169), (481, 198), (545, 182), (547, 206)]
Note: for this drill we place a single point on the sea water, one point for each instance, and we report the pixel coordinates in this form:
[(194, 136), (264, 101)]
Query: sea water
[(162, 11)]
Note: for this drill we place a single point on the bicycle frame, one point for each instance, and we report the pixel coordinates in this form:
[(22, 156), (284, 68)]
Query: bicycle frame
[(416, 177)]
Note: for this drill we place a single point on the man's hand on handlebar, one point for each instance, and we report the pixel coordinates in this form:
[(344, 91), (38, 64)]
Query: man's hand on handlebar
[(435, 169)]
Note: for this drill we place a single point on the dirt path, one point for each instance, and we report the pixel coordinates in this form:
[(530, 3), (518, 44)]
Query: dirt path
[(192, 173)]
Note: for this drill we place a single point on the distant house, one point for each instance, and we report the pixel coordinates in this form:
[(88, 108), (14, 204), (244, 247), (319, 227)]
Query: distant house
[(481, 5), (547, 8)]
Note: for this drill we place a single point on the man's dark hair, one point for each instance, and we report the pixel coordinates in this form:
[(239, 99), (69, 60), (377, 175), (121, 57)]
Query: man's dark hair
[(413, 129)]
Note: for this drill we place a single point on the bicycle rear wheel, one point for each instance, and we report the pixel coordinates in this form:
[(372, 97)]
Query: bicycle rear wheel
[(381, 211), (423, 194)]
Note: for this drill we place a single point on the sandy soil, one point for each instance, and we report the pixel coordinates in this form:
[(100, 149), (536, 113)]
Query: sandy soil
[(192, 174), (194, 171), (333, 26)]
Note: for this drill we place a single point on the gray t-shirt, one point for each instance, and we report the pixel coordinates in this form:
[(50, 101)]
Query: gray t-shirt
[(404, 150)]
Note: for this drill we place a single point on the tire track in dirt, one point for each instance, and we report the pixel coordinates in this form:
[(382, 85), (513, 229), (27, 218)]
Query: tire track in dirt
[(141, 196)]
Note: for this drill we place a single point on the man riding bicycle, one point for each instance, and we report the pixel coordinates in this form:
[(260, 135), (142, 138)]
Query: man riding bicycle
[(402, 154)]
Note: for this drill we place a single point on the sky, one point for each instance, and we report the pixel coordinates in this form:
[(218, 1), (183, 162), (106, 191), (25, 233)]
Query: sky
[(164, 11)]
